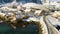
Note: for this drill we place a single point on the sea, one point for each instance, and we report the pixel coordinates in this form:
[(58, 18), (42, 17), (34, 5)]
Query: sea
[(23, 1)]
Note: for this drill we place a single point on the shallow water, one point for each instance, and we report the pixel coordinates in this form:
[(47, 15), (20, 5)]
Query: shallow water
[(30, 29), (20, 1)]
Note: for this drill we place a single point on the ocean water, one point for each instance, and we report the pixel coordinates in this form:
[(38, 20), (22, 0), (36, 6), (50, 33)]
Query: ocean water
[(23, 1), (5, 29)]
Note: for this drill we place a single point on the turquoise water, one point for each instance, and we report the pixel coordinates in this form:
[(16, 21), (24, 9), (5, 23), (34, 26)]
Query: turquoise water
[(23, 1), (5, 29)]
